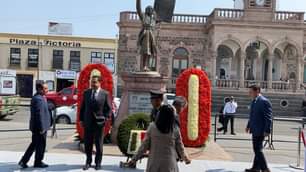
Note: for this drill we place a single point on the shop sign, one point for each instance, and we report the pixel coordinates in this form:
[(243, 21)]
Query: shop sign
[(65, 74), (45, 42), (5, 72)]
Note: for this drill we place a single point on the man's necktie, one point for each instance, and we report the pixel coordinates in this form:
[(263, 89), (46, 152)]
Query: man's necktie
[(93, 98)]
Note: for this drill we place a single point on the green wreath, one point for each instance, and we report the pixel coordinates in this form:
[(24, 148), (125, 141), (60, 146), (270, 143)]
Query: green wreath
[(139, 121)]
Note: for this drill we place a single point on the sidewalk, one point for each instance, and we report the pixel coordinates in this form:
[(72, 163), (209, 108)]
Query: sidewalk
[(73, 163)]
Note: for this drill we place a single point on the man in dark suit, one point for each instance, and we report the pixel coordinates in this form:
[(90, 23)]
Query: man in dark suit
[(39, 125), (179, 103), (95, 110), (259, 126)]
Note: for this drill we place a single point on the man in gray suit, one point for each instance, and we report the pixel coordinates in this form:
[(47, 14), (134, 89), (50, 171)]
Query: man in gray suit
[(95, 110)]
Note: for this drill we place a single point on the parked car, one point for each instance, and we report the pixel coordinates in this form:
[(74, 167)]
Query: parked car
[(66, 97), (66, 114), (117, 102), (169, 98), (8, 110)]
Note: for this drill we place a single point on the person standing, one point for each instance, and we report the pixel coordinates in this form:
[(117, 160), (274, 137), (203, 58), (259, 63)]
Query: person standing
[(95, 110), (179, 104), (221, 116), (40, 122), (259, 125), (229, 114), (156, 101), (163, 141)]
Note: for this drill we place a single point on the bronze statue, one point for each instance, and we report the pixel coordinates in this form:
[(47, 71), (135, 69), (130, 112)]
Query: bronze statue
[(162, 12)]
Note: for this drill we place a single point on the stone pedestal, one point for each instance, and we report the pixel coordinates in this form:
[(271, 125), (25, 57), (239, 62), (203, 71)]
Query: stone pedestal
[(136, 95)]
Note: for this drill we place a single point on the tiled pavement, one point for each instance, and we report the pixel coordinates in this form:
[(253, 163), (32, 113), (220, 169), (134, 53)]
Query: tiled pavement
[(73, 162)]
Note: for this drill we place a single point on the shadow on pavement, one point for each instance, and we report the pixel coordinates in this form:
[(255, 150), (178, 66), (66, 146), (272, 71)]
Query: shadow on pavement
[(287, 169), (218, 170), (118, 169), (12, 166), (72, 146)]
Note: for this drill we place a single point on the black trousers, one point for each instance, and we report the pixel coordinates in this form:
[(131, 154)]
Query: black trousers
[(229, 118), (94, 135), (38, 145), (260, 162)]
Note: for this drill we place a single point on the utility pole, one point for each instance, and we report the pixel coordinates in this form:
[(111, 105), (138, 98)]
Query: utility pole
[(38, 58)]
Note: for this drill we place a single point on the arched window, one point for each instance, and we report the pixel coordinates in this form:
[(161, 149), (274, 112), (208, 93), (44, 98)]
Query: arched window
[(180, 61)]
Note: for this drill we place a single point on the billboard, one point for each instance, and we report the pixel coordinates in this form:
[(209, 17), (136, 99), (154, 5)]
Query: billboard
[(55, 28)]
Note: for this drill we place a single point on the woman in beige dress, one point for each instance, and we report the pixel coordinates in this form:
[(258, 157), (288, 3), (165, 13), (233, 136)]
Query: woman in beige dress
[(164, 143)]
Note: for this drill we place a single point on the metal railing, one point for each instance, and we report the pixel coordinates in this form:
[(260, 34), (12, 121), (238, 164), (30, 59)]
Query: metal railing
[(299, 120), (53, 129)]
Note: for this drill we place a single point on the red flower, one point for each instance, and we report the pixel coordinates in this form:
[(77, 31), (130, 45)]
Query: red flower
[(83, 84), (204, 106)]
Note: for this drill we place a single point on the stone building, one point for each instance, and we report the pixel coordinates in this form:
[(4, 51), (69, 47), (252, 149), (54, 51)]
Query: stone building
[(236, 47)]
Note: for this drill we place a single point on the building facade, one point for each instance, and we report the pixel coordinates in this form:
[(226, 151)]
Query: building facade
[(236, 47), (54, 59)]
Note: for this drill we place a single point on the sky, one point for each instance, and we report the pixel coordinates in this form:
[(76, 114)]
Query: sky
[(96, 18)]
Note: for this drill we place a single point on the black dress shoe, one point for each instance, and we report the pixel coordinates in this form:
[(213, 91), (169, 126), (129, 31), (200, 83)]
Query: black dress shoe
[(234, 134), (23, 165), (98, 167), (220, 129), (41, 165), (86, 167), (251, 170)]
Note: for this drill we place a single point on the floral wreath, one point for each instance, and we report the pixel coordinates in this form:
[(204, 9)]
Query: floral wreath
[(83, 84), (204, 107)]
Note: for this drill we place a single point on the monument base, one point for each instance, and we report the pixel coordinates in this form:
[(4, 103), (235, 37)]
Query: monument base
[(136, 95)]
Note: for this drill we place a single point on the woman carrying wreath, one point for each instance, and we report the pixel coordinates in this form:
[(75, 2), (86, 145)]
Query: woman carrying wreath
[(164, 142)]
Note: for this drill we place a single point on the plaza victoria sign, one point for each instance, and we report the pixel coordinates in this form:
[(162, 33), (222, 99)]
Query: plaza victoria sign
[(45, 42)]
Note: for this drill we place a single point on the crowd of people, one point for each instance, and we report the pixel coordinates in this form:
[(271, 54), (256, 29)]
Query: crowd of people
[(163, 138)]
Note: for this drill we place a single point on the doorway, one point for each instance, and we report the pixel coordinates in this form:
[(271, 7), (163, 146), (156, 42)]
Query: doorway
[(222, 74), (25, 85)]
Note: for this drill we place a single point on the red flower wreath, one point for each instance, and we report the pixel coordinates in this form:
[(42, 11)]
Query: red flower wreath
[(204, 106), (83, 84)]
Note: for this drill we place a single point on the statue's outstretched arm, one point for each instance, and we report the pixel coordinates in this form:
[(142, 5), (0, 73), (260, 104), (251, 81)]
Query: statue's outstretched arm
[(139, 11)]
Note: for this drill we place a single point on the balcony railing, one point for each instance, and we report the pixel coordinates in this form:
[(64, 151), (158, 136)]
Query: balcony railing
[(289, 16), (223, 83), (177, 18), (229, 14), (262, 84)]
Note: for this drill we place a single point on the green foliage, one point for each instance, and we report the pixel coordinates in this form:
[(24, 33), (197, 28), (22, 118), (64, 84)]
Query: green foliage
[(139, 121), (134, 142)]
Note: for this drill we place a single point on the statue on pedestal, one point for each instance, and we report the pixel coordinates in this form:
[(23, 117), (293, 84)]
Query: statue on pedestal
[(162, 12)]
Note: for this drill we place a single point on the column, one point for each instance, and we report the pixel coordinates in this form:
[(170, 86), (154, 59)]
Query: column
[(242, 68), (230, 62), (214, 68), (299, 72), (270, 70), (23, 58)]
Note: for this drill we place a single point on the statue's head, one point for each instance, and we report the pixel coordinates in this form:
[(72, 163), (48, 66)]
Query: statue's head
[(149, 10)]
